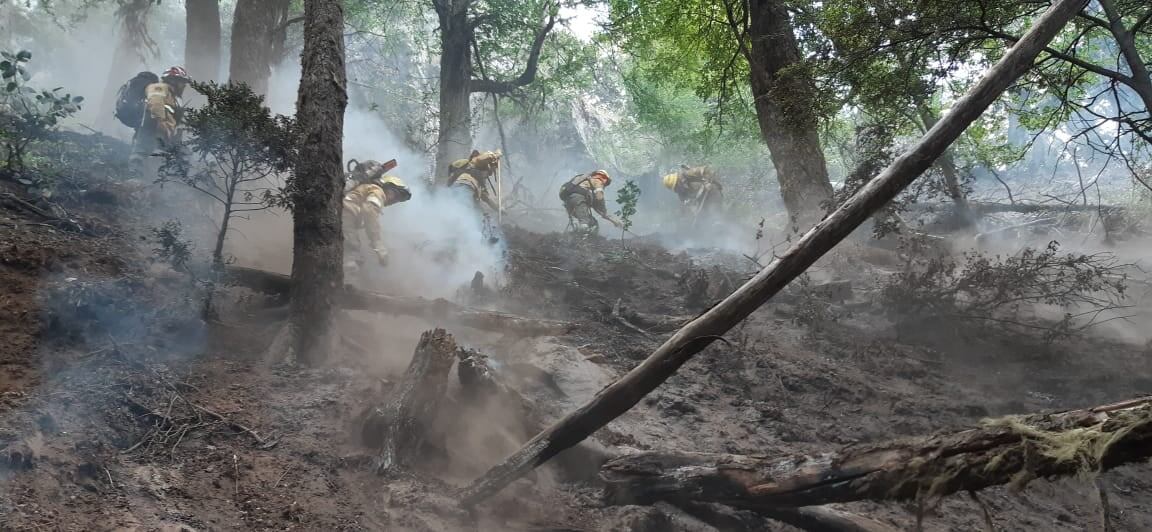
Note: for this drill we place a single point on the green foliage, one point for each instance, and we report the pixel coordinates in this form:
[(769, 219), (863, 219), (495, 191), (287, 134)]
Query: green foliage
[(171, 248), (27, 114), (237, 147), (627, 197)]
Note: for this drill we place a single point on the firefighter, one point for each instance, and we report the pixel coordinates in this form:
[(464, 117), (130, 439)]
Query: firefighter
[(362, 208), (472, 177), (583, 194), (699, 191), (163, 109)]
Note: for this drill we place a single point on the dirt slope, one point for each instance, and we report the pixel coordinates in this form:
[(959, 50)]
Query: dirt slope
[(158, 421)]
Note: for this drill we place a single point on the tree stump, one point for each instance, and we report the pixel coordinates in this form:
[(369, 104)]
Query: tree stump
[(399, 426)]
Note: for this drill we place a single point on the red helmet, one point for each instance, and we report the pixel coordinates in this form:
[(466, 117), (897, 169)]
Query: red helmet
[(176, 72)]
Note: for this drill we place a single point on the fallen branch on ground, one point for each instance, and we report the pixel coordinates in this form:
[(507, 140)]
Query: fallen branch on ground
[(1012, 450), (438, 310), (623, 394), (398, 427)]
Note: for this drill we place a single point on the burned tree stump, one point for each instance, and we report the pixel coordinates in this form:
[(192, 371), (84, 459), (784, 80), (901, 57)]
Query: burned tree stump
[(1012, 451), (399, 426)]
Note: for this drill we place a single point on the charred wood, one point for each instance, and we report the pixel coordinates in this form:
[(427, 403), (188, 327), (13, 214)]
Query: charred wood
[(1012, 450), (352, 298), (399, 425)]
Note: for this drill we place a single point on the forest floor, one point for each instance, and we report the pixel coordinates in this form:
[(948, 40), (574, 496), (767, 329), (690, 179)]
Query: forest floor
[(121, 410)]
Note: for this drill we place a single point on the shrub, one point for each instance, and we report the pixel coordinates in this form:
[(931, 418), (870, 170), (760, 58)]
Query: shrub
[(1005, 291), (27, 114)]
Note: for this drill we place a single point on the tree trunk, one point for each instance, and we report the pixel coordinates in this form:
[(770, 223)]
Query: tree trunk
[(624, 393), (317, 238), (947, 166), (454, 140), (1141, 80), (1012, 450), (785, 109), (255, 41), (399, 426), (202, 41)]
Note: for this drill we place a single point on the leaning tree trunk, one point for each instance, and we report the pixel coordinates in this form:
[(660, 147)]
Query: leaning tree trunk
[(620, 396), (454, 140), (785, 103), (255, 41), (317, 241), (202, 41)]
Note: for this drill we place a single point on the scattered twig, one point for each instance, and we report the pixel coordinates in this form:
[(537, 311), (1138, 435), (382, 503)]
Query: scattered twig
[(1105, 507), (219, 417), (984, 509), (282, 475), (624, 321)]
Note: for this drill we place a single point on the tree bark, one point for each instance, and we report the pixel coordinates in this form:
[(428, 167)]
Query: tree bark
[(622, 395), (317, 238), (457, 31), (256, 41), (1007, 451), (454, 140), (785, 109), (1141, 80), (202, 41), (399, 426), (437, 310), (947, 166)]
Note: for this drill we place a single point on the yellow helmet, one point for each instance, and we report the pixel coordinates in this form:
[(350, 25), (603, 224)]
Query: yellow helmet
[(398, 185), (670, 181)]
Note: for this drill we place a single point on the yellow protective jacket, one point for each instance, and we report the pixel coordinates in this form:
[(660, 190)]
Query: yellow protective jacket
[(163, 111), (693, 181), (362, 207)]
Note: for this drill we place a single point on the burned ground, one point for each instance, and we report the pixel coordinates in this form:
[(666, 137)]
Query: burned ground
[(123, 409)]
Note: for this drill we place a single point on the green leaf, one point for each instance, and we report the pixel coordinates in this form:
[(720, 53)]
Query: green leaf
[(8, 55), (23, 55), (5, 65), (11, 87), (78, 99)]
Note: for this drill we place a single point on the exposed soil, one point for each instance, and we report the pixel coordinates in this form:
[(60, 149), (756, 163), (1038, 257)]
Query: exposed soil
[(121, 410)]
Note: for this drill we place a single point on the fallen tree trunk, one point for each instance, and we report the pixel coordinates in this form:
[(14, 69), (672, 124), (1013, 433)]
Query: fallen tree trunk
[(438, 310), (622, 395), (1013, 450), (815, 519), (398, 426)]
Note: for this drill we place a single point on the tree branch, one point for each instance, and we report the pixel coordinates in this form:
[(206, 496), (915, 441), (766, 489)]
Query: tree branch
[(529, 74), (1097, 69)]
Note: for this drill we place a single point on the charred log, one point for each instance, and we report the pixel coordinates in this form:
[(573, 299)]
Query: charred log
[(352, 298), (1011, 451), (398, 426)]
